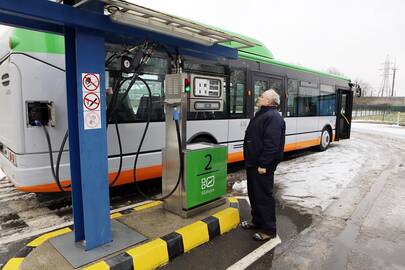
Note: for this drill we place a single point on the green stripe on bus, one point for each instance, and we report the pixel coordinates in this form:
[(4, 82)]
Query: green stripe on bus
[(258, 58), (24, 40)]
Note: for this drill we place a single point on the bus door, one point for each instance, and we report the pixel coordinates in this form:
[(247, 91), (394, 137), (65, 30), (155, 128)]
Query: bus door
[(344, 113), (261, 83)]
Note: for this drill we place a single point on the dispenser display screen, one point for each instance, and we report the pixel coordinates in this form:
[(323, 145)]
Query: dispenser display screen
[(204, 87)]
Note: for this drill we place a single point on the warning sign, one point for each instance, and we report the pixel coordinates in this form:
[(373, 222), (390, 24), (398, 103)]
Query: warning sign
[(91, 101), (92, 120), (90, 82)]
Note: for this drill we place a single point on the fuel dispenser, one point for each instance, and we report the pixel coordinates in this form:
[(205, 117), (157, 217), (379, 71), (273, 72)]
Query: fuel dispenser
[(202, 165)]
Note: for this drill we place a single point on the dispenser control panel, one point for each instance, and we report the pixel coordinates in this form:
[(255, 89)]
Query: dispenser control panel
[(206, 93)]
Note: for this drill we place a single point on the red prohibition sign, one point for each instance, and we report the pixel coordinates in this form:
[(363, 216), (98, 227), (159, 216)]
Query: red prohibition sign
[(91, 101), (90, 82)]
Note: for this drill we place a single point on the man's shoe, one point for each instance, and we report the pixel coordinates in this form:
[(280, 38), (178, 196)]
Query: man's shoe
[(260, 236), (246, 225)]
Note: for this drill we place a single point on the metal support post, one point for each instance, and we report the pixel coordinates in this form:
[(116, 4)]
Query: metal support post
[(87, 140)]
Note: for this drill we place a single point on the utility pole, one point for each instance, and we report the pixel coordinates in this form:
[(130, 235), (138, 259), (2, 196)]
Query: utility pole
[(385, 88), (394, 69)]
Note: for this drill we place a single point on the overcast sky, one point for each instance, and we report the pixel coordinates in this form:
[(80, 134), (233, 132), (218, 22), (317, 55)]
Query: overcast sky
[(353, 36)]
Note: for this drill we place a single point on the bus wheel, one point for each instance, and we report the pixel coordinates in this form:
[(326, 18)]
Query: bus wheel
[(203, 139), (325, 139)]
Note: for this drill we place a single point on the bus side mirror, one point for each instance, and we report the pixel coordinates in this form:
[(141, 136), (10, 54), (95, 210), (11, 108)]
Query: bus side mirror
[(358, 91)]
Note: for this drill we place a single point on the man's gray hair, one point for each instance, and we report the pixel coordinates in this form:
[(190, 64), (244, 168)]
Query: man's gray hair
[(273, 96)]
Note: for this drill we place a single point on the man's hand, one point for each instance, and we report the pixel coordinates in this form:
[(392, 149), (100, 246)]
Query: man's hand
[(261, 170)]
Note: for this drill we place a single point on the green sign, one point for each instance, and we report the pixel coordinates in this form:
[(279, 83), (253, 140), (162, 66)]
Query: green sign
[(206, 172)]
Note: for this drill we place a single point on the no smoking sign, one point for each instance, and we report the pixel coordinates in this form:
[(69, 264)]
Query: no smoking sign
[(91, 101), (90, 82)]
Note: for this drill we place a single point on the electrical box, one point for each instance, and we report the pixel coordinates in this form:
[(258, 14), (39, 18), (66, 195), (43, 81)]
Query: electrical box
[(175, 87)]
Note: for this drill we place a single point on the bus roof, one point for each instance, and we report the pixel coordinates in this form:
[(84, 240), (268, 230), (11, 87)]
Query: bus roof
[(23, 40), (262, 54)]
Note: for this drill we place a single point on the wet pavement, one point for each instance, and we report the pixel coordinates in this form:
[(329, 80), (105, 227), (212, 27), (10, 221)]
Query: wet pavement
[(21, 220), (224, 251), (347, 213), (24, 215), (364, 228)]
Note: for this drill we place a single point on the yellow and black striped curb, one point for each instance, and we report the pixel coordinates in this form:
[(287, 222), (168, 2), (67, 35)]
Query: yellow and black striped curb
[(14, 263), (156, 252)]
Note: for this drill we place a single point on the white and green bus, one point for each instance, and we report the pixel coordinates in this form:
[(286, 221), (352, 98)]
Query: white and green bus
[(316, 107)]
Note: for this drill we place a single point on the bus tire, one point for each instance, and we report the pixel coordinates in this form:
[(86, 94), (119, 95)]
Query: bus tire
[(325, 139)]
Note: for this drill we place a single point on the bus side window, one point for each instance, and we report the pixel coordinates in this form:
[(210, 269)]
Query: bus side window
[(327, 100), (292, 97), (259, 87), (308, 101), (237, 94), (267, 83), (277, 85)]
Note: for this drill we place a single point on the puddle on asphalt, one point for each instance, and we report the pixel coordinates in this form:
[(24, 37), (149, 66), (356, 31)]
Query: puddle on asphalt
[(291, 222)]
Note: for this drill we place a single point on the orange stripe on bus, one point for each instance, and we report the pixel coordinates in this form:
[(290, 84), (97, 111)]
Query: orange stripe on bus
[(45, 188), (289, 147), (145, 173), (306, 144), (235, 157), (125, 177)]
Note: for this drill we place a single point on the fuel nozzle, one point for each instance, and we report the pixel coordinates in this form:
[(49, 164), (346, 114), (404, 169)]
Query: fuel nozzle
[(176, 114)]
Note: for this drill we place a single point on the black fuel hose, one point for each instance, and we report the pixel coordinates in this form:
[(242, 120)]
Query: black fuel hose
[(140, 146), (109, 113), (60, 157), (54, 173), (120, 149)]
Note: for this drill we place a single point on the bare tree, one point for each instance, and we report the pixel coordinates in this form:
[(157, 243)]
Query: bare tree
[(366, 89)]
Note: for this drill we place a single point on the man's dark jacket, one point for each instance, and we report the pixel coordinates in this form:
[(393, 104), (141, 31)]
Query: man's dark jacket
[(264, 139)]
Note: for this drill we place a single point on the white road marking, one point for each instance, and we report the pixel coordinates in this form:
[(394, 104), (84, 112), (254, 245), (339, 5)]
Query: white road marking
[(255, 254)]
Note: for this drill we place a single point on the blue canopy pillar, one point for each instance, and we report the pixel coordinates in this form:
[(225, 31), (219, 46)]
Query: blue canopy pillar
[(86, 103)]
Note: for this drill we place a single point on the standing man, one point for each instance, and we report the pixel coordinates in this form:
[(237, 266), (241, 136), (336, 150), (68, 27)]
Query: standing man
[(263, 149)]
